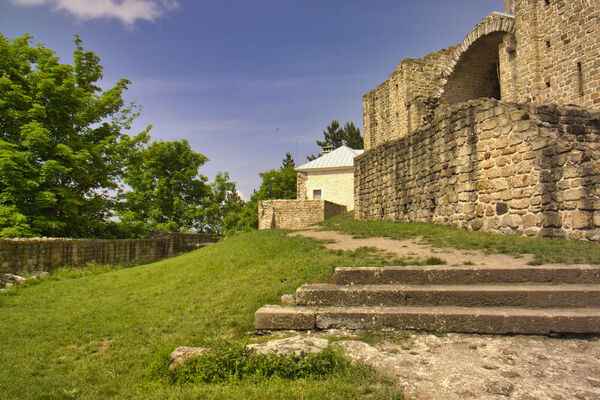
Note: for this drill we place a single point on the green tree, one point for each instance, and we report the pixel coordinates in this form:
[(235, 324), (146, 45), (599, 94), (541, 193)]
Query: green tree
[(224, 201), (336, 136), (276, 184), (62, 146), (333, 134), (166, 190), (352, 136)]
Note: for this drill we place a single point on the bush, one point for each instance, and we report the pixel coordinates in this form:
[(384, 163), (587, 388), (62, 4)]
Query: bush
[(233, 363)]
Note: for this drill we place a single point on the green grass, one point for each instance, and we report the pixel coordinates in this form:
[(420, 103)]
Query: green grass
[(378, 258), (94, 333), (545, 250), (233, 363)]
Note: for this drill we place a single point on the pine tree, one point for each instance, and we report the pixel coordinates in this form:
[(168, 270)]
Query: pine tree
[(335, 137)]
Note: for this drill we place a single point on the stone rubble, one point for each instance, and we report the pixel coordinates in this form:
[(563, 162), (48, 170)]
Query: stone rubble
[(482, 367), (181, 354), (298, 345)]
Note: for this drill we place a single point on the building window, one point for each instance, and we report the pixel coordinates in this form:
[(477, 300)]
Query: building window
[(317, 195)]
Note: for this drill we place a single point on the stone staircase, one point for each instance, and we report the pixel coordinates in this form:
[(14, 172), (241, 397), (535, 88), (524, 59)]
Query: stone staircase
[(472, 299)]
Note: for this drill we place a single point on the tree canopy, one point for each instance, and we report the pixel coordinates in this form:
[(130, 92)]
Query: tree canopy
[(336, 136), (62, 146), (276, 184), (65, 156), (167, 193)]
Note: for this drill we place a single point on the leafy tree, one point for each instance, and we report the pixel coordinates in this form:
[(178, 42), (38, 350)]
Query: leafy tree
[(276, 184), (62, 146), (225, 201), (336, 136), (167, 192)]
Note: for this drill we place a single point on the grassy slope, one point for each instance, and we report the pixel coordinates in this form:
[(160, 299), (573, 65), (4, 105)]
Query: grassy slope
[(91, 337), (545, 250)]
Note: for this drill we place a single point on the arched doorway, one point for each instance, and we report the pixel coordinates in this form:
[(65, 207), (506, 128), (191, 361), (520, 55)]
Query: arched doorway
[(475, 71)]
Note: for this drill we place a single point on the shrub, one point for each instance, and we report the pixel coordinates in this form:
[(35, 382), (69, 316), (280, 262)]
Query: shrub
[(233, 363)]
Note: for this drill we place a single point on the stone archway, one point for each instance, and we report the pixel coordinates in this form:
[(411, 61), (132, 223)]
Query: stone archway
[(475, 70)]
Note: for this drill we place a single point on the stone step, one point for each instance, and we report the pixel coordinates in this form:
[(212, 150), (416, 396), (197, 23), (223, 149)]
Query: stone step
[(418, 275), (521, 295), (488, 320)]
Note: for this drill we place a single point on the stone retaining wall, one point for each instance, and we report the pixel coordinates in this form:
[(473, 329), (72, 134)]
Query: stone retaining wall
[(492, 166), (46, 254), (293, 214)]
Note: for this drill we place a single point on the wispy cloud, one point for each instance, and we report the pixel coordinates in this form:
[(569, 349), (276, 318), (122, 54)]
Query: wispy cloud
[(127, 11)]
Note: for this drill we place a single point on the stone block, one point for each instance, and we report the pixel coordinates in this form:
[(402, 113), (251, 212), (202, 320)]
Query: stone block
[(511, 220), (529, 220), (501, 208), (551, 219), (581, 219)]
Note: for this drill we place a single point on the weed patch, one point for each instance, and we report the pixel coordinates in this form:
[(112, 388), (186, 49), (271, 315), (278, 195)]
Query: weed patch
[(434, 261), (231, 363)]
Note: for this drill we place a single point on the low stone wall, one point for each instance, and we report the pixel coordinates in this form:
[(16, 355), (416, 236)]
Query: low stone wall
[(492, 166), (293, 214), (46, 254)]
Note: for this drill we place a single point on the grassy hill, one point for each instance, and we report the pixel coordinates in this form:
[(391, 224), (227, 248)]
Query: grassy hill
[(92, 335)]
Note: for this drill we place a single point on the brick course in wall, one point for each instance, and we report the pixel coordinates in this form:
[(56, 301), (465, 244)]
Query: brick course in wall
[(493, 166), (46, 254), (293, 214)]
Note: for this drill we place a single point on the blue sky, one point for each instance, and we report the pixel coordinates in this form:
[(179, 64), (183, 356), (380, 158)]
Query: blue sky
[(244, 81)]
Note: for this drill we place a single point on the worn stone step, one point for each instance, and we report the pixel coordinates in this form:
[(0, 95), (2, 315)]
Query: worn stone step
[(418, 275), (489, 320), (522, 295)]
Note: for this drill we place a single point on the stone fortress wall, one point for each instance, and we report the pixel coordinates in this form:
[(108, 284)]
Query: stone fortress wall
[(515, 165), (47, 254), (548, 52), (484, 164), (294, 214)]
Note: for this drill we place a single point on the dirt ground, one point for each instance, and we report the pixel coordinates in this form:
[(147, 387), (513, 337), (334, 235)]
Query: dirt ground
[(486, 367), (413, 248), (464, 366)]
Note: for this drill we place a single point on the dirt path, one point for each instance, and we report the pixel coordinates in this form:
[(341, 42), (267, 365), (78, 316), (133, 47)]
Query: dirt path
[(487, 367), (412, 248)]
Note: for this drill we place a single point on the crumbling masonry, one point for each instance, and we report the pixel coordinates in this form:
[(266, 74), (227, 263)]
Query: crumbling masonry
[(499, 133)]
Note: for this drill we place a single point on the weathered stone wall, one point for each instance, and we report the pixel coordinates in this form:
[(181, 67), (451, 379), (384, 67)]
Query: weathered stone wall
[(301, 193), (477, 73), (337, 186), (293, 214), (400, 104), (492, 166), (46, 254), (548, 52), (558, 51)]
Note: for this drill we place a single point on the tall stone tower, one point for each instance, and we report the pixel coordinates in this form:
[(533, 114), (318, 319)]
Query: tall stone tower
[(509, 6)]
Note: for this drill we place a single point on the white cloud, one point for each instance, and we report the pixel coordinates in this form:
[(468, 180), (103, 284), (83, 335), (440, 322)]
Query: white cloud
[(128, 11)]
